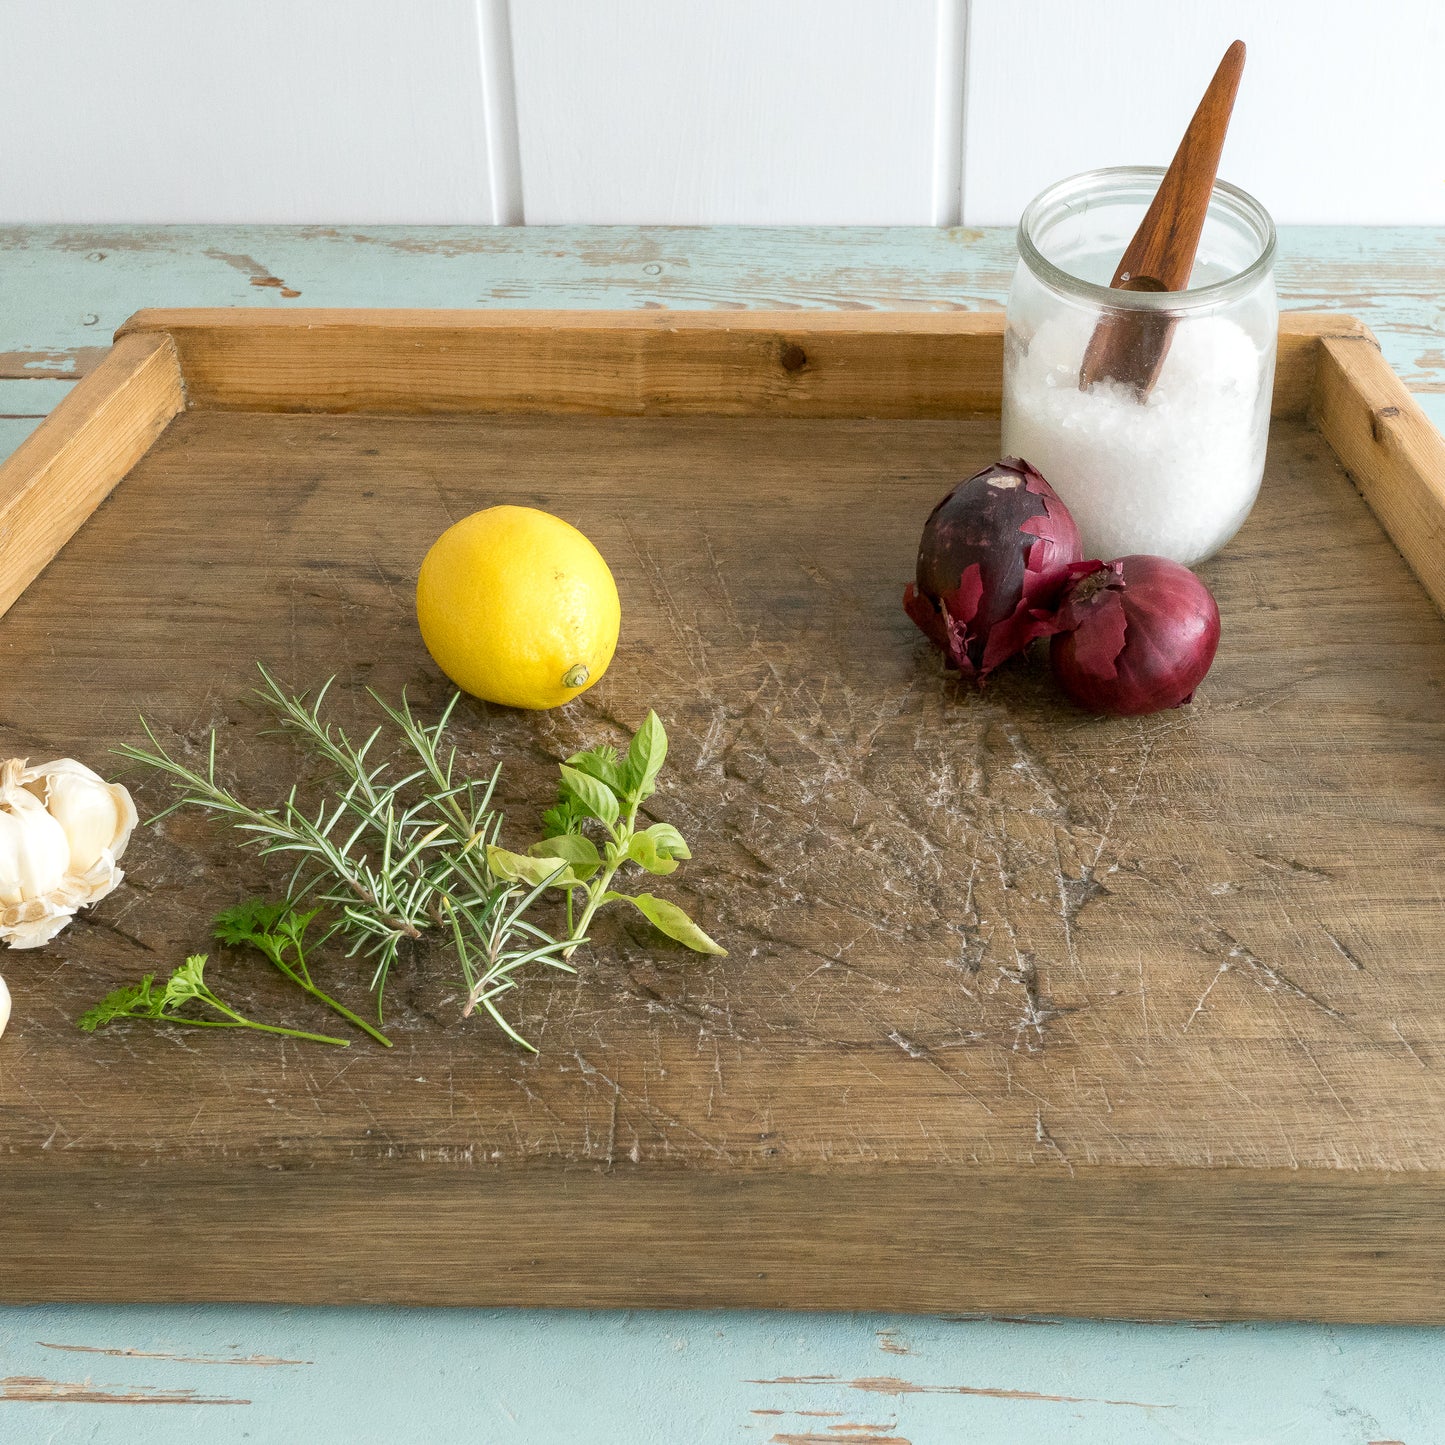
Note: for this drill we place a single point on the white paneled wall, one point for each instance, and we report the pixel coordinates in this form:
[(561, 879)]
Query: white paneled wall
[(746, 111), (1340, 116), (697, 111), (242, 110)]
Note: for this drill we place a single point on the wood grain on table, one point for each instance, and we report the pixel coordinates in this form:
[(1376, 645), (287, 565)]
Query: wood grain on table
[(1365, 1393)]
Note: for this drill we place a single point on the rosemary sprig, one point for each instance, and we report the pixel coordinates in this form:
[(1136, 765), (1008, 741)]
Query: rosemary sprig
[(186, 985), (396, 857)]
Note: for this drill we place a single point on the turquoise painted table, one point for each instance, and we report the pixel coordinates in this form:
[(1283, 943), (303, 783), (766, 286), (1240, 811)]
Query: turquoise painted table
[(150, 1375)]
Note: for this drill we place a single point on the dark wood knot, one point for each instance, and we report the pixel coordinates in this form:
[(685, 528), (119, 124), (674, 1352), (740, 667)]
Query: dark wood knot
[(792, 357)]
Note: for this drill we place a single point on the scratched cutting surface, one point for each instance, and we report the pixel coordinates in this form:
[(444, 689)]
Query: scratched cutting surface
[(967, 927), (982, 1380)]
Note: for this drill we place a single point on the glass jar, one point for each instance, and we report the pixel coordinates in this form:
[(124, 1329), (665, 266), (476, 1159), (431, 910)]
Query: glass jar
[(1171, 469)]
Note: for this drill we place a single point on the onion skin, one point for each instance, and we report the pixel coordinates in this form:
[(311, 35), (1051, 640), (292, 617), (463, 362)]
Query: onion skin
[(992, 564), (1136, 636)]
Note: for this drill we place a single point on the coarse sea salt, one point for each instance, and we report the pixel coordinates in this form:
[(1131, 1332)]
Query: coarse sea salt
[(1174, 475)]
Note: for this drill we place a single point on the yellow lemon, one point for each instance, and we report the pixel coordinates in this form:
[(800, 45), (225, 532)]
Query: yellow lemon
[(518, 607)]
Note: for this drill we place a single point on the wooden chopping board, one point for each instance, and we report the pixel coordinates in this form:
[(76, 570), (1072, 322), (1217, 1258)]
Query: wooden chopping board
[(1023, 1008)]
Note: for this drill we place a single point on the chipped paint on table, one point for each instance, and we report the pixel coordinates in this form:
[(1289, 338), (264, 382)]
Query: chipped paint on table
[(227, 1374), (697, 1378)]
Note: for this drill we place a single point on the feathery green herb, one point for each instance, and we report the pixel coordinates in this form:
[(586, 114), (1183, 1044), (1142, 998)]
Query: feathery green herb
[(396, 856), (277, 931), (145, 1000)]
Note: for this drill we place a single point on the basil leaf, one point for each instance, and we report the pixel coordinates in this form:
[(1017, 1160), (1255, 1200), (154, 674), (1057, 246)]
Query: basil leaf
[(518, 868), (658, 848), (669, 919), (595, 798), (600, 763), (645, 756), (579, 852), (645, 852), (667, 839)]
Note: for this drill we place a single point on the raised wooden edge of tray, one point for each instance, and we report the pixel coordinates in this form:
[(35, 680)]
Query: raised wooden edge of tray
[(68, 465), (659, 363), (1142, 1243), (628, 363)]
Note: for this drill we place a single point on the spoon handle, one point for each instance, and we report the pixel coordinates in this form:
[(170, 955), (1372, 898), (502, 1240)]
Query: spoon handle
[(1130, 346)]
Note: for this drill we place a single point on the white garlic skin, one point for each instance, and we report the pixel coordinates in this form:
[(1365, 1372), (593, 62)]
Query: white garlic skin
[(62, 828), (97, 816), (34, 851), (4, 1005)]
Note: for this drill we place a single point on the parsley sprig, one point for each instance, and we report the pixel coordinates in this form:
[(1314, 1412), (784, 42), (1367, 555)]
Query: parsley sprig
[(277, 931), (187, 985)]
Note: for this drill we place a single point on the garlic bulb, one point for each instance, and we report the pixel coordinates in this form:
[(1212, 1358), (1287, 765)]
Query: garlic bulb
[(62, 827)]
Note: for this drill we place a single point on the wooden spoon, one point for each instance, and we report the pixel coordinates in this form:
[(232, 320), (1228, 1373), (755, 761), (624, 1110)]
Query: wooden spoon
[(1130, 346)]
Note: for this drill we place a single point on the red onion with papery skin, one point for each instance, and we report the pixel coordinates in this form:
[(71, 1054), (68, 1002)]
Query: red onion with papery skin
[(992, 564), (1135, 636)]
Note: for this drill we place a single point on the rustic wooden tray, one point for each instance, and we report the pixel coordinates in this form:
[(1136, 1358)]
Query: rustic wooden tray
[(1025, 1010)]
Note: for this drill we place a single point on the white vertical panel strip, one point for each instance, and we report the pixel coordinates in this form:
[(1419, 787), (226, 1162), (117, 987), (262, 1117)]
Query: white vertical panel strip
[(499, 96), (1340, 117), (751, 111), (949, 73), (242, 110)]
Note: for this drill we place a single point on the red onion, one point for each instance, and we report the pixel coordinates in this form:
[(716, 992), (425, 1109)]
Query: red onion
[(1135, 636), (992, 563)]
